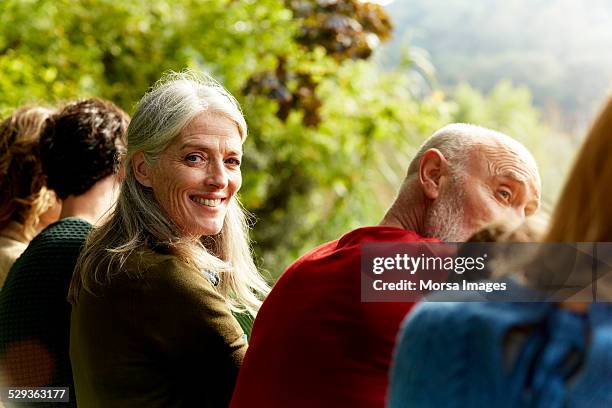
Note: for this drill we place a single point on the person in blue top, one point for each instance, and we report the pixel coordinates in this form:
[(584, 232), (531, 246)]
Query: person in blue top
[(511, 354)]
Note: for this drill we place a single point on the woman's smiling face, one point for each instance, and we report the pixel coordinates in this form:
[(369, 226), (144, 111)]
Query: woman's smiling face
[(198, 174)]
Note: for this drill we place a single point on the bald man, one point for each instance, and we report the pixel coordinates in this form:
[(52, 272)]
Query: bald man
[(314, 343), (463, 177)]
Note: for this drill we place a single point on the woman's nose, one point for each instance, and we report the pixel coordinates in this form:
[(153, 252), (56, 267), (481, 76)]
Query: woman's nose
[(217, 174)]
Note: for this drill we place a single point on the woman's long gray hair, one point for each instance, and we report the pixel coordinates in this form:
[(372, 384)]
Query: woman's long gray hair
[(139, 221)]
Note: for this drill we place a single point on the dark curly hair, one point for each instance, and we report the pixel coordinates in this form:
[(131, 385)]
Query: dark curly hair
[(22, 182), (82, 144)]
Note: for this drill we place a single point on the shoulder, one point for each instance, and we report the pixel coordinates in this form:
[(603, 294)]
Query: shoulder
[(11, 245), (438, 344), (56, 248), (164, 277), (170, 288), (185, 299), (455, 327), (66, 228), (147, 261), (428, 317), (69, 233), (316, 253), (161, 268), (418, 365), (62, 240), (316, 256), (8, 256), (466, 330), (10, 250), (468, 316)]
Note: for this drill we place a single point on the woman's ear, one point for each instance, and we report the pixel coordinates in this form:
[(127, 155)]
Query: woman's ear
[(432, 167), (141, 169)]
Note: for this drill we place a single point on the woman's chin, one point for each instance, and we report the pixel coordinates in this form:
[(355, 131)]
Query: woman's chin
[(202, 230)]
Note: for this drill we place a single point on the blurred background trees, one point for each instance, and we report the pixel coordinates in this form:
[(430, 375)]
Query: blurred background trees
[(557, 48), (331, 131)]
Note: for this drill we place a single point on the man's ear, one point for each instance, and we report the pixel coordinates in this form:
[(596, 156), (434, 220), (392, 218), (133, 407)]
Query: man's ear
[(141, 169), (432, 167)]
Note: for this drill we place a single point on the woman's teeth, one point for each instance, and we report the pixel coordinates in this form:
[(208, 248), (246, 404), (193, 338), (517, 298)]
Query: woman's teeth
[(208, 202)]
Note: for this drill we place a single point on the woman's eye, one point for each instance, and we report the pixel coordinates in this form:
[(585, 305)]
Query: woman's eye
[(194, 158), (233, 161)]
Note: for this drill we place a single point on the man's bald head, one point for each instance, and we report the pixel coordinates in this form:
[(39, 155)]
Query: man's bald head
[(457, 140), (468, 176)]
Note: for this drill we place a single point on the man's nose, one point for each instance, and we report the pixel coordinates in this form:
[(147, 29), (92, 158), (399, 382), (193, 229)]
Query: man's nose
[(511, 213), (520, 212)]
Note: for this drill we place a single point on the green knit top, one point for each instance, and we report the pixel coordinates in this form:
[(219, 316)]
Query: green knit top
[(34, 312)]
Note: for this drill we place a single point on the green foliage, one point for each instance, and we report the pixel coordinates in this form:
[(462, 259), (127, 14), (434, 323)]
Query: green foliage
[(307, 179), (346, 29), (342, 30), (342, 174), (54, 50), (305, 184)]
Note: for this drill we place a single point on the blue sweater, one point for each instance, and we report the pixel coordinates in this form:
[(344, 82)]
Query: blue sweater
[(502, 354)]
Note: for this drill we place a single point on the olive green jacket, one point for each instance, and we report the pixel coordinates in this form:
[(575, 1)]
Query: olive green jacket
[(158, 336)]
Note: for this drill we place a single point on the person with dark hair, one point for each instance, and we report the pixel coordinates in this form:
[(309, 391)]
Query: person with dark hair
[(80, 148), (26, 205)]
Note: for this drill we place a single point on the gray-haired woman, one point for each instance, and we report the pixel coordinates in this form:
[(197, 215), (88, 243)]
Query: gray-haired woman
[(155, 286)]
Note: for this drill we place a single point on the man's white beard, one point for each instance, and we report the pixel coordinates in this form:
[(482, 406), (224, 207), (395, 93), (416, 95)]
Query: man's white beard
[(445, 219)]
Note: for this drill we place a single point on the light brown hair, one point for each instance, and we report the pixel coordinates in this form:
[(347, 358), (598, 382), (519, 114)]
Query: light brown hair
[(22, 182), (584, 210)]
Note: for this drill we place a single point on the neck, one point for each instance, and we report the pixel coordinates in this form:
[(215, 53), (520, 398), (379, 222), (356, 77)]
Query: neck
[(94, 204), (409, 209)]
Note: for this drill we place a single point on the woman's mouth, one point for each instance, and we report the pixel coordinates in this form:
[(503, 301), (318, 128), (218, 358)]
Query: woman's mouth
[(209, 202)]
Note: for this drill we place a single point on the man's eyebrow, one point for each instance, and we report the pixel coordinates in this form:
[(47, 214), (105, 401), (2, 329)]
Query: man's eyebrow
[(508, 173), (510, 169), (514, 175)]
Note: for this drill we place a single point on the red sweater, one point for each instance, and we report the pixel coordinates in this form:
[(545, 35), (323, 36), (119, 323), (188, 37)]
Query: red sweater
[(314, 343)]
